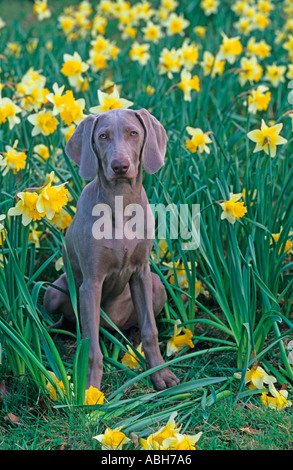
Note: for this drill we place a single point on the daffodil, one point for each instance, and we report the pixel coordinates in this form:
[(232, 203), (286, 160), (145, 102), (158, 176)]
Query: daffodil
[(52, 198), (200, 31), (230, 49), (156, 439), (212, 65), (2, 230), (12, 159), (267, 138), (73, 67), (41, 9), (130, 359), (275, 74), (278, 400), (93, 396), (26, 207), (42, 151), (188, 83), (152, 32), (250, 70), (232, 208), (286, 247), (140, 53), (110, 101), (169, 61), (209, 6), (44, 122), (112, 439), (175, 24), (257, 377), (259, 99), (62, 219), (8, 112), (179, 341), (34, 235), (181, 441), (199, 142), (189, 54), (53, 391)]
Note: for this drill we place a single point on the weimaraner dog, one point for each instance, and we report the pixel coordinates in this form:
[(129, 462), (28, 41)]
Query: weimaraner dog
[(112, 149)]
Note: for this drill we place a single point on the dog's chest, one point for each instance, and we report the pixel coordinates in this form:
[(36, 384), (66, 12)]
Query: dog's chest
[(127, 259)]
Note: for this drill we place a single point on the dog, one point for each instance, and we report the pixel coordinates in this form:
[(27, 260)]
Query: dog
[(111, 150)]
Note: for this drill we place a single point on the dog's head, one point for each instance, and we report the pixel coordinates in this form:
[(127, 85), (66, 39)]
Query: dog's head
[(116, 142)]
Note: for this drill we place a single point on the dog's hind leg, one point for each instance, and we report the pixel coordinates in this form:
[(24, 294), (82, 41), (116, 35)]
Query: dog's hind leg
[(58, 302)]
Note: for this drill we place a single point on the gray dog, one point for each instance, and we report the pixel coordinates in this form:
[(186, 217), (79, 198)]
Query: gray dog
[(111, 149)]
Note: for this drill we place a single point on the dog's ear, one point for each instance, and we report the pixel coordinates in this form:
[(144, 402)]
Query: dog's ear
[(155, 141), (79, 148)]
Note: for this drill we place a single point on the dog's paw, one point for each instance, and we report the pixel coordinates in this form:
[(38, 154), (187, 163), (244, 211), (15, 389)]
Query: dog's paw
[(163, 379)]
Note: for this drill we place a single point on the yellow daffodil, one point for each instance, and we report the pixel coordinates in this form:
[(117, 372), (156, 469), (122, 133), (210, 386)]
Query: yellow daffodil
[(209, 6), (73, 67), (68, 131), (211, 65), (26, 207), (93, 396), (12, 159), (42, 151), (140, 53), (233, 209), (169, 61), (179, 341), (8, 112), (156, 439), (275, 74), (34, 235), (62, 219), (72, 109), (259, 99), (286, 247), (188, 83), (257, 377), (180, 273), (2, 230), (41, 9), (130, 359), (199, 142), (152, 32), (250, 71), (189, 54), (278, 400), (181, 441), (110, 101), (13, 48), (200, 31), (52, 198), (230, 49), (267, 138), (53, 391), (175, 24), (44, 122), (112, 439)]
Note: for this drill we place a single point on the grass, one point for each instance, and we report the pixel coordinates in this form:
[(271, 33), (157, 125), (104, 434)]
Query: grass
[(247, 314), (35, 424)]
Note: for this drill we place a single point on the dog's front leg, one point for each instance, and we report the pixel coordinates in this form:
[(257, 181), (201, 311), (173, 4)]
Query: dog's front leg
[(141, 292), (90, 299)]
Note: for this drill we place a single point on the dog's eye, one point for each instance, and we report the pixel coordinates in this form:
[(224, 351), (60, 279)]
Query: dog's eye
[(133, 133), (103, 136)]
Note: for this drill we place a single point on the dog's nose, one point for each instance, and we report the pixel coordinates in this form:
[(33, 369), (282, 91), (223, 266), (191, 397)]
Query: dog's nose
[(120, 167)]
